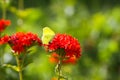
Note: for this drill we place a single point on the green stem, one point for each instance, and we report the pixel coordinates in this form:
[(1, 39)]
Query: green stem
[(19, 67), (1, 53), (59, 65), (59, 70), (1, 56), (60, 76), (23, 60)]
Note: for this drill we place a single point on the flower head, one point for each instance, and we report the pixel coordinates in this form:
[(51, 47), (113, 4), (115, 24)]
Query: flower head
[(20, 41), (4, 24), (66, 47)]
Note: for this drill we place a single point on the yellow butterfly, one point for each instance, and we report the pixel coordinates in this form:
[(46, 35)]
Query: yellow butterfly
[(48, 34)]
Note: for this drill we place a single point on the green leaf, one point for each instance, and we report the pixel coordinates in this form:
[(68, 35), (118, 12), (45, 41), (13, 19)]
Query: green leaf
[(12, 67)]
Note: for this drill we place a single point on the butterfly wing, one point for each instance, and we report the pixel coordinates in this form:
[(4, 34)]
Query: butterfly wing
[(48, 34)]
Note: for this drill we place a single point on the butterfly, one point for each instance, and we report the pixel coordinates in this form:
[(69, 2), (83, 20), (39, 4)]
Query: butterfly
[(48, 34)]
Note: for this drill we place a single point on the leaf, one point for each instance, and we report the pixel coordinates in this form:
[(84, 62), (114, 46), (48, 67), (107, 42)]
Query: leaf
[(12, 67), (48, 34)]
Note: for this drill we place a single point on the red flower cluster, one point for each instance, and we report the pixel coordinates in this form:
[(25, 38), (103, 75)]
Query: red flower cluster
[(20, 41), (4, 24), (70, 45)]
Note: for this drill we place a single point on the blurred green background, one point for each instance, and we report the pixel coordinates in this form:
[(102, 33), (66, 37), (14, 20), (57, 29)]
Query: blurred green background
[(95, 23)]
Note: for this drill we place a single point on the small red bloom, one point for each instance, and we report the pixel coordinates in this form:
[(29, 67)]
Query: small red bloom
[(4, 39), (20, 41), (54, 58), (70, 45), (4, 24)]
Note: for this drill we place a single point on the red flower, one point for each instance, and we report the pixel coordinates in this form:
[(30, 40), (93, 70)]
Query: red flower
[(54, 58), (4, 24), (70, 45), (4, 39), (20, 41)]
